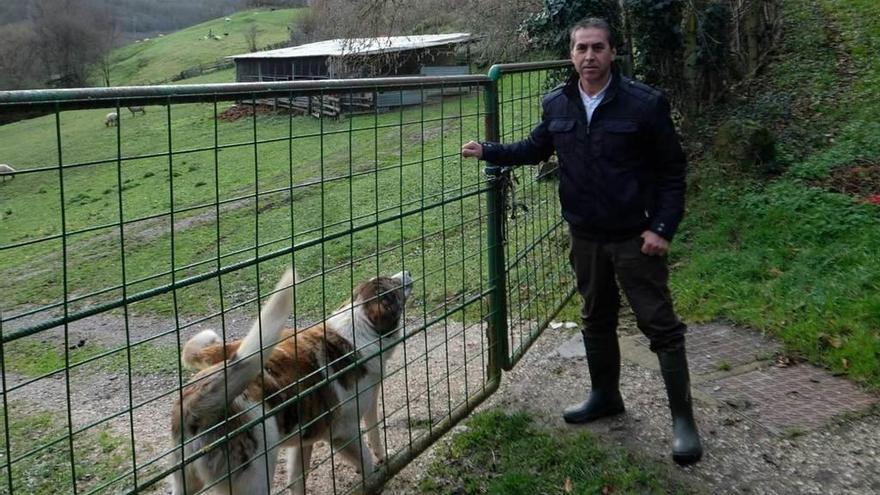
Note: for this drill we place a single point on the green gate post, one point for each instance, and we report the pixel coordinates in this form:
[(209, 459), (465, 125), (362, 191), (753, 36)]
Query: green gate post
[(495, 175)]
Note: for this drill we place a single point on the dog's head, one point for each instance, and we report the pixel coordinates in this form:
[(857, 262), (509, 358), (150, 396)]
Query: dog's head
[(383, 299)]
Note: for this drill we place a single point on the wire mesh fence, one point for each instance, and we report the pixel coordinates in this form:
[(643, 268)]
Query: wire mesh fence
[(123, 237), (538, 279)]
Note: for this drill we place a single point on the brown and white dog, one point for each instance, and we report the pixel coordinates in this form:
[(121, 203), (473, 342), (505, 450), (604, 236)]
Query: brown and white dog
[(293, 362)]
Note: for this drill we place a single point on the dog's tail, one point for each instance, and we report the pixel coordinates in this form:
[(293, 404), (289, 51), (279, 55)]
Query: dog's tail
[(199, 351), (205, 400), (245, 362), (206, 348), (264, 332)]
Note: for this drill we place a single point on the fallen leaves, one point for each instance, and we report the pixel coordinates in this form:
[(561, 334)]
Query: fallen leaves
[(783, 361)]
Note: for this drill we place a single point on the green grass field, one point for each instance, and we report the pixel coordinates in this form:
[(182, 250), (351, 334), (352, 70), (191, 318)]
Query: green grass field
[(220, 76), (160, 58), (32, 208)]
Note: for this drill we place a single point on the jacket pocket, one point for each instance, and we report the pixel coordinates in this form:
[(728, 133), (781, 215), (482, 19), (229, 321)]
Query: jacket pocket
[(561, 125), (620, 140), (563, 132)]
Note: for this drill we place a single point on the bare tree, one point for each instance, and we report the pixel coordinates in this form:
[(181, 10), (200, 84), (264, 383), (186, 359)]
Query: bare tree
[(305, 28), (496, 22), (499, 25), (71, 38), (108, 39), (250, 36), (17, 67)]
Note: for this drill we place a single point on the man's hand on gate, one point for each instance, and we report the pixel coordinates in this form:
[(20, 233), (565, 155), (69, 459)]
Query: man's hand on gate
[(653, 244), (472, 149)]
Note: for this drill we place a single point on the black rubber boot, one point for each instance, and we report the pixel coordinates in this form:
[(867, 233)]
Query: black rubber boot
[(686, 447), (603, 359)]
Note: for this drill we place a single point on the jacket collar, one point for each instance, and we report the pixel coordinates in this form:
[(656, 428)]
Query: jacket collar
[(571, 86)]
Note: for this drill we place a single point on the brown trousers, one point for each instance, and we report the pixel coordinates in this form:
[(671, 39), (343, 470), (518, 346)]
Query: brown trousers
[(600, 266)]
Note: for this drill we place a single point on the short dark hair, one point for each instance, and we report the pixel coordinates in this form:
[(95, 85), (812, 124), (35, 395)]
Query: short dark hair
[(594, 23)]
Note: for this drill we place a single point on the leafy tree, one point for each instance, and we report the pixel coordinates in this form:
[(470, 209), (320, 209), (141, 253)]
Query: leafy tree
[(549, 28), (710, 57), (656, 27)]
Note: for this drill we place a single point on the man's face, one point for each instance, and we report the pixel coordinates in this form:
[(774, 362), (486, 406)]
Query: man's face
[(592, 55)]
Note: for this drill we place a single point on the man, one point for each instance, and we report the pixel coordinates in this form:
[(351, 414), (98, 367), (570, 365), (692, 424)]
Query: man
[(622, 185)]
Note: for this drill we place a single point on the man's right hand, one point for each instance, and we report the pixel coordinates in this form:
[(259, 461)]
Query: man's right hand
[(472, 149)]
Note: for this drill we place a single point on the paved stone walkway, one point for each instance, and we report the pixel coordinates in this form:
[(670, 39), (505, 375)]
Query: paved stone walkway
[(738, 368), (768, 426)]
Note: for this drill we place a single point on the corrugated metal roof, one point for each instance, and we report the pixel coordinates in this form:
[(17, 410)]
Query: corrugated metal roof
[(360, 46)]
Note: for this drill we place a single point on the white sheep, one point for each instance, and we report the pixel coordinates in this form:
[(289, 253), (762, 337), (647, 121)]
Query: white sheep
[(112, 119), (6, 170)]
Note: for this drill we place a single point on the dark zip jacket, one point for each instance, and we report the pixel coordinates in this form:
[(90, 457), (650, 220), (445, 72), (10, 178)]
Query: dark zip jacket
[(621, 174)]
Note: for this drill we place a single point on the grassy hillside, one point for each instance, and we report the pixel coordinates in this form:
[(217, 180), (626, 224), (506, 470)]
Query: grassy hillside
[(30, 207), (160, 58), (220, 76), (797, 254)]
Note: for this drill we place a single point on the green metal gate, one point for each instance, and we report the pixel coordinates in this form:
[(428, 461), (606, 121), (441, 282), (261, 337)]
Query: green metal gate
[(121, 237), (535, 274)]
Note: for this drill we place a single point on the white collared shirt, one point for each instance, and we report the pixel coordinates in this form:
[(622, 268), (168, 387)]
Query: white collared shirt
[(591, 102)]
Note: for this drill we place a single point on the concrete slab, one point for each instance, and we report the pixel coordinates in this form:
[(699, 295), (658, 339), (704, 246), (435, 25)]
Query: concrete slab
[(718, 347), (791, 399), (572, 348), (732, 367)]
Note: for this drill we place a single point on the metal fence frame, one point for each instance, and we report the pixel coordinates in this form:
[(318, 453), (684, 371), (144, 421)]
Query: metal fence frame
[(503, 348), (511, 126)]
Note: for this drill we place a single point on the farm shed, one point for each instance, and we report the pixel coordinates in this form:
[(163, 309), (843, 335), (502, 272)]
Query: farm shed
[(431, 54), (349, 58)]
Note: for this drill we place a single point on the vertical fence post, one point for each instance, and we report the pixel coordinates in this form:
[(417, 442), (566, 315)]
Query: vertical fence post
[(495, 175)]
